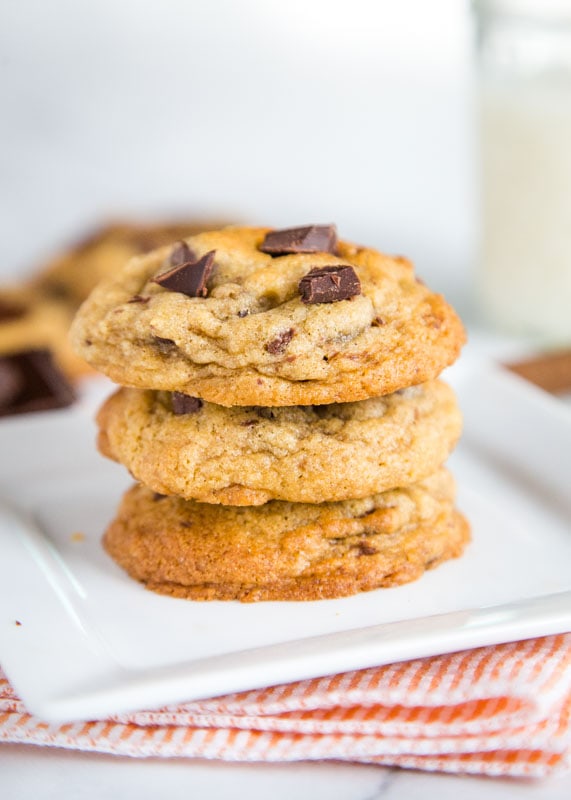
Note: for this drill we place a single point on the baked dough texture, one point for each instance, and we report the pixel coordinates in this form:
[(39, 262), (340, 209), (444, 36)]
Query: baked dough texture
[(253, 341), (310, 454), (286, 551)]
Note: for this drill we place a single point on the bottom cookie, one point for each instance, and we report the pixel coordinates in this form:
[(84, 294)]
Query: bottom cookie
[(286, 551)]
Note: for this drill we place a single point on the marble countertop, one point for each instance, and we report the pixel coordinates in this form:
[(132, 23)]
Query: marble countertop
[(31, 773)]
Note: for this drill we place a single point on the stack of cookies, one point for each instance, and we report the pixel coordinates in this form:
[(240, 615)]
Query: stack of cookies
[(281, 409)]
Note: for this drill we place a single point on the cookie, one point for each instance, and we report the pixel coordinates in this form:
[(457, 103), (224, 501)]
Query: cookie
[(73, 274), (286, 551), (267, 328), (248, 455), (31, 321)]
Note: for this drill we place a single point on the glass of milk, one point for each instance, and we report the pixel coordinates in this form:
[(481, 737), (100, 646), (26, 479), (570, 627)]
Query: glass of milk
[(524, 114)]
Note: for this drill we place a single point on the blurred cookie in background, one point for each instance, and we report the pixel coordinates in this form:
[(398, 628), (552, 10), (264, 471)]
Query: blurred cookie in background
[(30, 320), (72, 275), (37, 313)]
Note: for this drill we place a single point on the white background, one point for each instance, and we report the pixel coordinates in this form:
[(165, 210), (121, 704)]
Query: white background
[(353, 111)]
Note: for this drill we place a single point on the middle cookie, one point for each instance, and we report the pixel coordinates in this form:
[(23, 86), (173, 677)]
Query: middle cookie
[(248, 455)]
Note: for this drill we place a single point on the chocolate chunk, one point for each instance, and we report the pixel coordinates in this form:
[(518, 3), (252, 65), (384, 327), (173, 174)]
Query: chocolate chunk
[(164, 346), (329, 284), (190, 277), (10, 311), (181, 254), (278, 345), (30, 381), (366, 549), (310, 239), (10, 382), (158, 496), (185, 404)]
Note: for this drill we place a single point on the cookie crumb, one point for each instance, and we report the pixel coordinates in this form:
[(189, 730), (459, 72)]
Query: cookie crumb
[(77, 536)]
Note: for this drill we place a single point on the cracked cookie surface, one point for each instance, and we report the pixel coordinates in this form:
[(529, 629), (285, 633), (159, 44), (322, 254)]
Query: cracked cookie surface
[(286, 551), (249, 455), (254, 341)]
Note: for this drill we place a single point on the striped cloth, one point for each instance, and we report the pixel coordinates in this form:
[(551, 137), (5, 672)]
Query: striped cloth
[(502, 710)]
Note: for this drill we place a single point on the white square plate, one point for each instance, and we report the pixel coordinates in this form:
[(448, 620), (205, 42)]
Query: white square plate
[(79, 639)]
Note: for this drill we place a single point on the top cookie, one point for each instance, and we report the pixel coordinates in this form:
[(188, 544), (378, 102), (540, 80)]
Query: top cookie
[(264, 328)]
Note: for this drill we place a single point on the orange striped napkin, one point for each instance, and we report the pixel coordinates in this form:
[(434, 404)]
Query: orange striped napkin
[(502, 710)]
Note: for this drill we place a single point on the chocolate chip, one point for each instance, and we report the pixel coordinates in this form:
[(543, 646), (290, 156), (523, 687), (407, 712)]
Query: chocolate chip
[(243, 313), (378, 322), (30, 381), (309, 239), (329, 284), (158, 496), (185, 404), (181, 254), (248, 423), (278, 345), (164, 345), (264, 412), (366, 549), (138, 299), (10, 311), (190, 277)]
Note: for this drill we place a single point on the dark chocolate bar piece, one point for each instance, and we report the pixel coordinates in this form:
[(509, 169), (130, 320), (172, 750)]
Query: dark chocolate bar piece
[(329, 284), (309, 239), (190, 277), (185, 404), (30, 381)]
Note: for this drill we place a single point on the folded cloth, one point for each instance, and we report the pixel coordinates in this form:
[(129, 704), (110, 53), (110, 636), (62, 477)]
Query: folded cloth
[(501, 710)]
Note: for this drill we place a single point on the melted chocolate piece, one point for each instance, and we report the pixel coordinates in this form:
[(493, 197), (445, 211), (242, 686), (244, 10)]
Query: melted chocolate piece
[(329, 285), (164, 346), (278, 345), (30, 381), (310, 239), (188, 278), (185, 404)]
